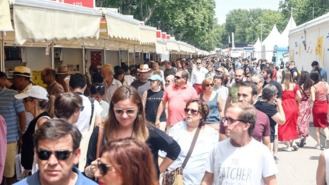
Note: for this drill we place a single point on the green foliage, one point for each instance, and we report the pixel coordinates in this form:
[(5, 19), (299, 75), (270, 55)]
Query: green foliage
[(248, 25), (304, 10)]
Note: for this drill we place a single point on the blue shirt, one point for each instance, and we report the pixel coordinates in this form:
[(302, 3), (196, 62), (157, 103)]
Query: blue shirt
[(34, 179), (9, 108)]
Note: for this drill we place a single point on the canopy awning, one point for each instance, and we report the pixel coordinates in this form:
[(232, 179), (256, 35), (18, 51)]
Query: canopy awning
[(122, 27), (147, 35), (47, 20), (172, 45), (5, 21), (161, 47)]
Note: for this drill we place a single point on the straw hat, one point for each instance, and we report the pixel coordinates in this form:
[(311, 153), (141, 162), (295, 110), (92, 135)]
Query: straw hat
[(143, 68), (22, 71), (62, 70)]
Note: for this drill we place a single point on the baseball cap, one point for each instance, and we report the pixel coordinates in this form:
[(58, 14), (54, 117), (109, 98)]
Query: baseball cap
[(36, 91), (155, 77)]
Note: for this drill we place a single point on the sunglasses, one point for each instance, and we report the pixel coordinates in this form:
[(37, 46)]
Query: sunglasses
[(81, 108), (177, 77), (229, 121), (27, 100), (193, 111), (103, 168), (128, 111), (209, 85), (198, 63), (60, 155)]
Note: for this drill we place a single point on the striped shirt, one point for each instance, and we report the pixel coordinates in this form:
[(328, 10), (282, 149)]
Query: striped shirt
[(9, 108)]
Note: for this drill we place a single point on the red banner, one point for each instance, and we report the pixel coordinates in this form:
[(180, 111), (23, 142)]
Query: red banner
[(85, 3)]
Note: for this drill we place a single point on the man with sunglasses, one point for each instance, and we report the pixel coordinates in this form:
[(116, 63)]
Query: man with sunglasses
[(240, 159), (57, 147), (177, 95)]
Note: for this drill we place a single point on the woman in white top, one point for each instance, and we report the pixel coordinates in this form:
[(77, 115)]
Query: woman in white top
[(183, 132)]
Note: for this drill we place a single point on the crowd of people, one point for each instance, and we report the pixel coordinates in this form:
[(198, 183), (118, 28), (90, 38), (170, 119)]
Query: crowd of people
[(215, 119)]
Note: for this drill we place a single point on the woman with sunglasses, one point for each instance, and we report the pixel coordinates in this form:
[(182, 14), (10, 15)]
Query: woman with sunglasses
[(126, 120), (214, 102), (126, 162), (36, 102), (184, 132)]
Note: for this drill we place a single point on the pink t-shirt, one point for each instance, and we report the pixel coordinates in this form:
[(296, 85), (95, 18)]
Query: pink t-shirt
[(3, 145), (177, 98)]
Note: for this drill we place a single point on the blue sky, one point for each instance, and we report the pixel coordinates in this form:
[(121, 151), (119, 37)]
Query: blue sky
[(225, 6)]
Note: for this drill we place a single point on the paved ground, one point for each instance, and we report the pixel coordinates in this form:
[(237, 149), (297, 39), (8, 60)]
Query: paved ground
[(299, 168)]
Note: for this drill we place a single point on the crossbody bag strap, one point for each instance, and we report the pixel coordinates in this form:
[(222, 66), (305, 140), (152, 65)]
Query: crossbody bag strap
[(189, 153), (92, 110)]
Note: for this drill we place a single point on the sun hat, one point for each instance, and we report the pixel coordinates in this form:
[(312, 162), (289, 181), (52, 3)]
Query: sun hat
[(155, 77), (22, 71), (62, 70), (143, 68), (35, 91)]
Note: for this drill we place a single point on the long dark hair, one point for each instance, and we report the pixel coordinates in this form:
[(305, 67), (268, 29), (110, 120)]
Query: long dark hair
[(140, 130), (305, 81)]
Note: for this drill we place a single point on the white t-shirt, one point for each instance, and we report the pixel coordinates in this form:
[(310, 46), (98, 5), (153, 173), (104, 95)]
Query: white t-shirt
[(196, 165), (246, 165), (84, 117)]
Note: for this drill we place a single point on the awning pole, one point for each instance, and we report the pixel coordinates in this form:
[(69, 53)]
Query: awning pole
[(52, 56), (2, 53), (104, 52), (134, 54), (128, 57), (83, 59)]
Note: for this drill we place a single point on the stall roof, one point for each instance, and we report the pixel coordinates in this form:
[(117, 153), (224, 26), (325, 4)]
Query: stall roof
[(319, 20), (147, 34), (5, 23), (49, 20)]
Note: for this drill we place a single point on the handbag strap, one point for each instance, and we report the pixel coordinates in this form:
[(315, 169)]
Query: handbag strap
[(195, 137)]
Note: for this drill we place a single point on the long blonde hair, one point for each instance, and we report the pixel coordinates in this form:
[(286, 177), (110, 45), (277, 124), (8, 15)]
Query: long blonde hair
[(287, 79)]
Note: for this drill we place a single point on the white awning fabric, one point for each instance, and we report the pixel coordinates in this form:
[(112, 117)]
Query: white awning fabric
[(5, 23), (47, 20), (122, 27), (161, 47), (172, 45), (147, 35)]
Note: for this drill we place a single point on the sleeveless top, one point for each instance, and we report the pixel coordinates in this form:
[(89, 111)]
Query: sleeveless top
[(153, 101), (27, 148), (214, 115), (321, 91)]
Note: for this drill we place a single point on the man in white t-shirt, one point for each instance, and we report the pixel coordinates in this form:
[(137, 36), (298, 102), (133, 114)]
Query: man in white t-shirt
[(240, 159)]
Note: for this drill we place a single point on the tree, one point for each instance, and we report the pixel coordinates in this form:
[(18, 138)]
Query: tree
[(304, 10), (190, 21), (248, 25)]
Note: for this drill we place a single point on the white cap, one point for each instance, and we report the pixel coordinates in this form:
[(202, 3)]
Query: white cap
[(36, 91)]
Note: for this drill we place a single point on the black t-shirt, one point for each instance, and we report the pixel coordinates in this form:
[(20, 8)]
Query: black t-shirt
[(157, 140), (153, 101), (268, 109)]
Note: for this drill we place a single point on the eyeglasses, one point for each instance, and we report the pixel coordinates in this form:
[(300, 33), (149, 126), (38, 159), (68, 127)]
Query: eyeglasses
[(129, 112), (229, 121), (193, 111), (178, 77), (25, 100), (103, 168), (209, 85), (60, 155)]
